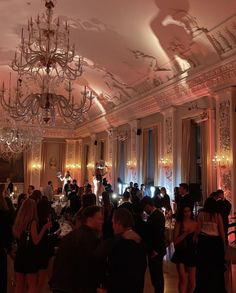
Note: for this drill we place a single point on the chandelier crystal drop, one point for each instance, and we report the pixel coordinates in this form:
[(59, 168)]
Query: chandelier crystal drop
[(46, 67)]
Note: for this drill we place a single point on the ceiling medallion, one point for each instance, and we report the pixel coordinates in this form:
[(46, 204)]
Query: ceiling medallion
[(46, 65)]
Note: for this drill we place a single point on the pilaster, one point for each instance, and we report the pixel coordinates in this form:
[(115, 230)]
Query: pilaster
[(36, 164), (168, 162), (225, 159), (70, 161)]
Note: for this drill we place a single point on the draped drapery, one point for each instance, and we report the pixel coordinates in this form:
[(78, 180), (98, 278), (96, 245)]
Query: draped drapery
[(62, 156), (204, 157), (156, 155), (121, 161), (43, 163), (186, 150)]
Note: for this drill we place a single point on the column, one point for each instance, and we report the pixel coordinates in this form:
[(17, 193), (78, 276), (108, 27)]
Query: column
[(70, 157), (109, 156), (92, 153), (112, 157), (226, 142), (167, 162), (78, 159), (36, 163)]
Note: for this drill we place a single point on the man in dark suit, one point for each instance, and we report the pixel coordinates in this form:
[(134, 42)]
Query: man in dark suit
[(127, 256), (155, 240), (224, 208), (75, 269), (185, 198)]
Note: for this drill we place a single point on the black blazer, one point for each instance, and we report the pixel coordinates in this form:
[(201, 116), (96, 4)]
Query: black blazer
[(156, 233)]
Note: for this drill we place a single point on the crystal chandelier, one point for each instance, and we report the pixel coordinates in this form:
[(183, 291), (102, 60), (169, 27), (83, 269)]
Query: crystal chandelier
[(46, 67), (15, 139)]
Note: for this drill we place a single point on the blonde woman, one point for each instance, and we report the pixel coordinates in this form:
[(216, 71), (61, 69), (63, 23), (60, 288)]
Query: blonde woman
[(25, 231)]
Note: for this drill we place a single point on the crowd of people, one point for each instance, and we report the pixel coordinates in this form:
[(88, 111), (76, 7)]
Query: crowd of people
[(112, 243)]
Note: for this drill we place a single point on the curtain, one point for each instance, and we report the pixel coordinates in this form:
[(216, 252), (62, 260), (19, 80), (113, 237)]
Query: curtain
[(43, 181), (204, 155), (62, 157), (144, 155), (27, 169), (121, 161), (185, 153)]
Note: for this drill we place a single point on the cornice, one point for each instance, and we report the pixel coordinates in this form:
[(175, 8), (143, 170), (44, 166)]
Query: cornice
[(184, 89)]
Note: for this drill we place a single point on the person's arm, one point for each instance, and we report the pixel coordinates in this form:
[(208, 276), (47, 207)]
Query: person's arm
[(199, 226), (177, 236), (220, 227), (36, 237)]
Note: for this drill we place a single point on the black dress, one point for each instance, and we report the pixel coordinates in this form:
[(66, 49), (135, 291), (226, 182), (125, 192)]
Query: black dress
[(185, 252), (210, 265), (26, 260)]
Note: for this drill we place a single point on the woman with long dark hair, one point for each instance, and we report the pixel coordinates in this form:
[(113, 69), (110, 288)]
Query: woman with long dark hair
[(185, 250), (210, 250)]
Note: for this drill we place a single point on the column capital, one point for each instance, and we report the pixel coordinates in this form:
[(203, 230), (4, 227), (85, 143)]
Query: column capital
[(71, 141), (134, 123), (169, 111)]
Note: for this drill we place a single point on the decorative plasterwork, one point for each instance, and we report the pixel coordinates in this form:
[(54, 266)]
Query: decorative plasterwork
[(167, 164), (224, 147), (169, 134), (223, 36), (181, 91), (224, 126), (58, 133)]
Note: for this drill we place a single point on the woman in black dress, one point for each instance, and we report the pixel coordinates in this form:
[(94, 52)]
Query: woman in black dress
[(210, 250), (25, 230), (47, 242), (185, 252)]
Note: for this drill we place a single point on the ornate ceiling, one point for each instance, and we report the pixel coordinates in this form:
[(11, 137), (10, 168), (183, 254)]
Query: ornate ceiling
[(130, 47)]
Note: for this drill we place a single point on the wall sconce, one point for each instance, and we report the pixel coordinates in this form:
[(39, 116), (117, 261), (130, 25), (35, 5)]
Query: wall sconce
[(165, 163), (90, 166), (109, 164), (131, 164), (73, 166), (221, 161), (36, 166)]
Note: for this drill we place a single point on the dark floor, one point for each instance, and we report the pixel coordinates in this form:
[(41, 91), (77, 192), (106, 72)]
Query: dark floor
[(171, 279)]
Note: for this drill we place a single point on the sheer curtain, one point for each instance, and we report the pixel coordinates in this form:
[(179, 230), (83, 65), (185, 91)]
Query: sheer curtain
[(186, 150)]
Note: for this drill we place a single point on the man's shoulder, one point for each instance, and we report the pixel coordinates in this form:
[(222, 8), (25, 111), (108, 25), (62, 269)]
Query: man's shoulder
[(156, 215)]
